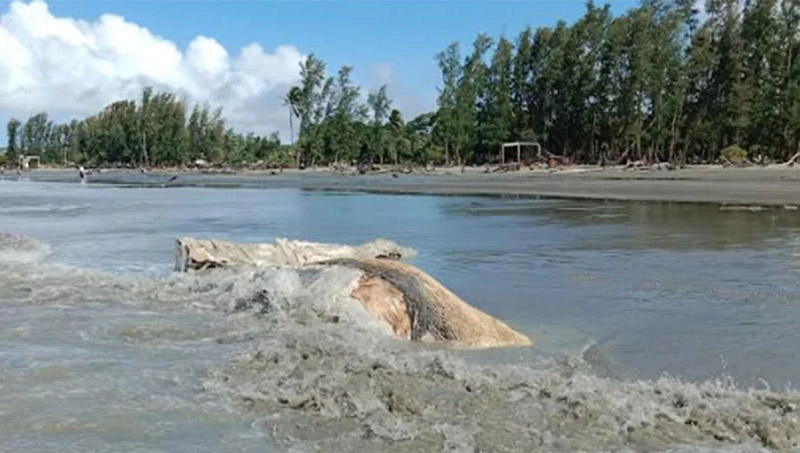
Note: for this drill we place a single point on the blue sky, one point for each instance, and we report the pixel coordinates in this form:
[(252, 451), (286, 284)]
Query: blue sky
[(403, 34), (391, 40)]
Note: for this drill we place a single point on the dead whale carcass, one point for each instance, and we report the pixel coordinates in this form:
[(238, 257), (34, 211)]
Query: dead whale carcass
[(420, 308), (199, 254), (411, 302)]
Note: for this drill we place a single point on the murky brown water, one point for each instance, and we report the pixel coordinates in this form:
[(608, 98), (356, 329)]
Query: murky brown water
[(105, 350)]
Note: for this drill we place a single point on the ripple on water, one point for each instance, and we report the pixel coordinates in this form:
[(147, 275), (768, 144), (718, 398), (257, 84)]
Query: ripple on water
[(110, 362)]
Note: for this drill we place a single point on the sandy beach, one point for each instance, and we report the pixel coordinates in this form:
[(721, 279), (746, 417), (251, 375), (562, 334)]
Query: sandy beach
[(753, 186), (729, 186)]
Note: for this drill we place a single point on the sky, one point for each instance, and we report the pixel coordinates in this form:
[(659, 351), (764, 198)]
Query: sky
[(72, 57)]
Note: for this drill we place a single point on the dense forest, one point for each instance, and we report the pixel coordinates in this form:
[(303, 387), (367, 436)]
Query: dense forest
[(152, 132), (662, 82)]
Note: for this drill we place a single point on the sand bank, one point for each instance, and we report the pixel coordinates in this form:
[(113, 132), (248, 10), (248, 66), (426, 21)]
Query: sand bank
[(761, 186)]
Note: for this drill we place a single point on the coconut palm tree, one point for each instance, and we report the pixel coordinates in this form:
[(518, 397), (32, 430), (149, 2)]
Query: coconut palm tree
[(292, 100)]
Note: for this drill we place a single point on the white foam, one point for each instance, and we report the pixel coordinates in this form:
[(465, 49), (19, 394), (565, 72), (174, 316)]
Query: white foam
[(324, 377)]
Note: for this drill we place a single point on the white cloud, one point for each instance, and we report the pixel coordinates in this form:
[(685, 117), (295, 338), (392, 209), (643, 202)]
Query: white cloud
[(71, 67)]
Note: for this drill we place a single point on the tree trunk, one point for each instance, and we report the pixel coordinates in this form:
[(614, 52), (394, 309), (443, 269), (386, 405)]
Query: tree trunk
[(291, 128), (623, 157), (791, 161), (673, 134), (638, 145)]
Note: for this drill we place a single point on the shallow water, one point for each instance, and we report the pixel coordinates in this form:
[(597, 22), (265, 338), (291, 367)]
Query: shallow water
[(106, 350)]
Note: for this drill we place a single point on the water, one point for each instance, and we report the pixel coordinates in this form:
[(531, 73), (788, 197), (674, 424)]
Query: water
[(651, 321)]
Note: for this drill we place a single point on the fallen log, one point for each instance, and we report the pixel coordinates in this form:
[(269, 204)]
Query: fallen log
[(414, 305), (792, 160)]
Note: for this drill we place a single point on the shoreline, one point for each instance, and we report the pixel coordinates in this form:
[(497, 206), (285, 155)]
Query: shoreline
[(730, 187), (750, 186)]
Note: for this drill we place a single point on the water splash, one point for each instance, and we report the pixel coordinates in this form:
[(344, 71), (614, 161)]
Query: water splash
[(319, 373)]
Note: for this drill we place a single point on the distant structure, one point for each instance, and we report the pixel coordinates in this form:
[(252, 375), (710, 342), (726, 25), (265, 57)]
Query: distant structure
[(28, 162), (519, 146)]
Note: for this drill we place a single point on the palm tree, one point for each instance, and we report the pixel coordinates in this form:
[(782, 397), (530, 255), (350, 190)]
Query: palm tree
[(292, 100), (396, 127)]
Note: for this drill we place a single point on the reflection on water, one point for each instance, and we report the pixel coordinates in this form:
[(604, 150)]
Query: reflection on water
[(686, 289), (662, 287), (651, 224)]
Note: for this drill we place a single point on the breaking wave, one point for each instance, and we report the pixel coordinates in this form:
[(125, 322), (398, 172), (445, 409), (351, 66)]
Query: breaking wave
[(321, 374)]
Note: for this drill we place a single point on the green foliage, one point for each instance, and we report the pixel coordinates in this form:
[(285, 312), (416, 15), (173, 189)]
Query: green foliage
[(153, 131), (734, 154), (659, 82), (496, 112), (12, 132), (338, 127), (206, 131), (380, 144), (654, 83)]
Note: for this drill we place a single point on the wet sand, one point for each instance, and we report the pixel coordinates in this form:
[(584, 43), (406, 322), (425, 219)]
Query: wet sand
[(742, 187), (776, 186)]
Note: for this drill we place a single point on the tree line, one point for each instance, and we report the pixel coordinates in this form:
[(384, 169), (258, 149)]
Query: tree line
[(338, 126), (154, 131), (662, 82)]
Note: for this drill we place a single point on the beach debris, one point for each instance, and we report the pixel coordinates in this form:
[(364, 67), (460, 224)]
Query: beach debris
[(792, 160), (504, 168), (647, 166), (412, 303), (751, 208)]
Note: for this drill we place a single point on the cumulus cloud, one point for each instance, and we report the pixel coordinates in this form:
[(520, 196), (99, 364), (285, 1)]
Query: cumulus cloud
[(71, 67)]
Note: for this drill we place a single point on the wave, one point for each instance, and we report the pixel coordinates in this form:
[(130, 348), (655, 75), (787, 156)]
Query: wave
[(16, 250), (321, 374), (42, 208)]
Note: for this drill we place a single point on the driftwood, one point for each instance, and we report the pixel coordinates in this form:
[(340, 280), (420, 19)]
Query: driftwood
[(623, 157), (644, 165), (661, 166), (727, 163), (504, 168), (792, 160), (413, 304)]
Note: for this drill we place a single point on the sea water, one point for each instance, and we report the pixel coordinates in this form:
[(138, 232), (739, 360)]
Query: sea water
[(657, 326)]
